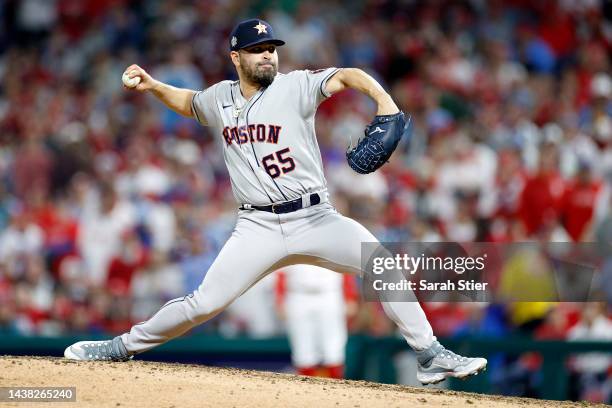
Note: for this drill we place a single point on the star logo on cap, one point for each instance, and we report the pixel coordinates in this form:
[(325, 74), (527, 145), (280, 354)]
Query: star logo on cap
[(261, 28)]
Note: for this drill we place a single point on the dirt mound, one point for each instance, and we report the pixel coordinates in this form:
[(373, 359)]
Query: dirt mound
[(149, 384)]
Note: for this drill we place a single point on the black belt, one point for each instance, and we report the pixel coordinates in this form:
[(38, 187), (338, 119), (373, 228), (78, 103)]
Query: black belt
[(283, 208)]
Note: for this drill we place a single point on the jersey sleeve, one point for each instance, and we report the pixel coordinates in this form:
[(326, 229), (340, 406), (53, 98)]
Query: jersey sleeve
[(312, 85), (204, 106)]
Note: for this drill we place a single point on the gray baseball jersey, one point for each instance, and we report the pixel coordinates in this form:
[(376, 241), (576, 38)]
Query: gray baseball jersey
[(269, 141)]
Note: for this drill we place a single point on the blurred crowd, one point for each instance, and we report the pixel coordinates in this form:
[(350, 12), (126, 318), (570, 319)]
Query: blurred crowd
[(110, 204)]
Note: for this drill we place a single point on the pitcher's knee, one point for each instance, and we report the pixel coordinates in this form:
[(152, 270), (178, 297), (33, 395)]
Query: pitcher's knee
[(206, 307)]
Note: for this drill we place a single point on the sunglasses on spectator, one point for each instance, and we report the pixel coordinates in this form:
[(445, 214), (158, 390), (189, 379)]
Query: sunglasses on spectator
[(258, 49)]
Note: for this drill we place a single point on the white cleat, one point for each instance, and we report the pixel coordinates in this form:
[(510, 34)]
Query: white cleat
[(447, 364), (107, 350)]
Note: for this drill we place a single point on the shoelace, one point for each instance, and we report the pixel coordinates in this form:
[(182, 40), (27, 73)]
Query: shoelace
[(99, 350), (445, 353), (103, 351)]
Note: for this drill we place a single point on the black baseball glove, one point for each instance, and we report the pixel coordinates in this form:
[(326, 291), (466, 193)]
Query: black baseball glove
[(381, 138)]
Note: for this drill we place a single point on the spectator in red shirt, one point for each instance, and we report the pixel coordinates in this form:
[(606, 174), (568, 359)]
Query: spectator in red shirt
[(578, 203), (540, 199), (132, 257)]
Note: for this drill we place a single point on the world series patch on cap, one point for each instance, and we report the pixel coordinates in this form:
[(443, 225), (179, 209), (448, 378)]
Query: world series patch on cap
[(252, 32)]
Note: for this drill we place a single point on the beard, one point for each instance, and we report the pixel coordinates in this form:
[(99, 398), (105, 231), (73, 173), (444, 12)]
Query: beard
[(259, 75)]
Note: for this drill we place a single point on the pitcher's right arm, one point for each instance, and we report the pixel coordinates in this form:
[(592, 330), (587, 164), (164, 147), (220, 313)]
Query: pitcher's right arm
[(177, 99)]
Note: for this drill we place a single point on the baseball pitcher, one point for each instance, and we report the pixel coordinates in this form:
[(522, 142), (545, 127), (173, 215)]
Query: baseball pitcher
[(264, 124)]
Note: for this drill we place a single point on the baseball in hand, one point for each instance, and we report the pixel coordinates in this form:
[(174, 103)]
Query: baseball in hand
[(130, 82)]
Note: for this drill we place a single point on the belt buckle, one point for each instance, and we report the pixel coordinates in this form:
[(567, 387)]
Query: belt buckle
[(315, 199), (274, 208)]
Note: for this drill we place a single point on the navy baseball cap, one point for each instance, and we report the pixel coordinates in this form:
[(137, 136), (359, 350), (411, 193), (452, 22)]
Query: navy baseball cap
[(252, 32)]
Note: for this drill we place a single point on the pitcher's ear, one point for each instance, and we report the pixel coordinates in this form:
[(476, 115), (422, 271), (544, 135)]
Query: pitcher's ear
[(235, 56)]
